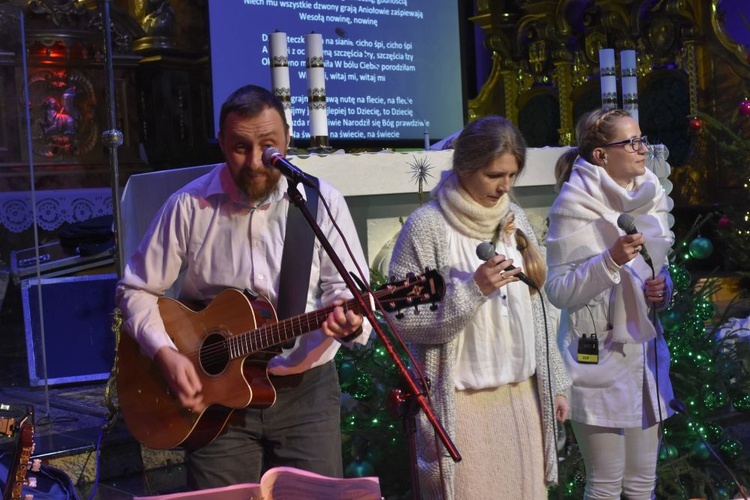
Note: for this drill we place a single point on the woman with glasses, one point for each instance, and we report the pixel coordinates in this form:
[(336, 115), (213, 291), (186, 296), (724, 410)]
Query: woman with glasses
[(609, 291)]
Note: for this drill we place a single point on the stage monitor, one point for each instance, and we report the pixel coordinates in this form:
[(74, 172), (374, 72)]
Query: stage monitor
[(393, 68)]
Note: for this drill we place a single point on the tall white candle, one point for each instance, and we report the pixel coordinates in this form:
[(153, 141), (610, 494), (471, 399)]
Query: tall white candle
[(316, 90), (629, 82), (280, 74), (630, 95), (608, 77), (627, 62)]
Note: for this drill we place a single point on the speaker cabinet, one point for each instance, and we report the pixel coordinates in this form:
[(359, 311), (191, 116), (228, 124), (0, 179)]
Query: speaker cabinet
[(76, 316)]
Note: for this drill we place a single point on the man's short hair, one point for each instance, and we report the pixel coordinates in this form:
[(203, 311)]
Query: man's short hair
[(249, 101)]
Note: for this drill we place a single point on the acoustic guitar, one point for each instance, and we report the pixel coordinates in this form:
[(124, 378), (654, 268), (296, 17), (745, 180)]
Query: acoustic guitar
[(229, 342)]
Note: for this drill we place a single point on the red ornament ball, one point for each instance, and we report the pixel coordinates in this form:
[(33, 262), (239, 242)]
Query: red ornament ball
[(724, 222), (695, 124), (744, 107)]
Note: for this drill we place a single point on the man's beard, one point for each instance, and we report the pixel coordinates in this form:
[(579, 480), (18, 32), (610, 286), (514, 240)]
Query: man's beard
[(257, 186)]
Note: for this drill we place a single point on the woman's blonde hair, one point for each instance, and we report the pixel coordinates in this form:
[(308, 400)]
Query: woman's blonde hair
[(593, 130), (534, 265)]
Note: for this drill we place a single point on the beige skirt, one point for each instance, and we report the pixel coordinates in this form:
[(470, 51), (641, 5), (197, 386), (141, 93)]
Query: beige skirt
[(499, 437)]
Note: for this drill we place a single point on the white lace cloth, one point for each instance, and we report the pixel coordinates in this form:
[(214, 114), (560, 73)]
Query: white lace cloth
[(53, 208)]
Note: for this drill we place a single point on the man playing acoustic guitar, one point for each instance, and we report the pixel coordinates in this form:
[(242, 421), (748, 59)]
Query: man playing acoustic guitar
[(228, 230)]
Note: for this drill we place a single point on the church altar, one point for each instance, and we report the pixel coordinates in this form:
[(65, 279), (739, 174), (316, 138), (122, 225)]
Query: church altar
[(380, 188)]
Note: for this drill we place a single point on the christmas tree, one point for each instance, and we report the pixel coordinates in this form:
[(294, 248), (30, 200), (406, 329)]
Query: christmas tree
[(373, 433), (728, 144)]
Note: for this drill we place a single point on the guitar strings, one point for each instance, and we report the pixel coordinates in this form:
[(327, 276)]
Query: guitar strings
[(269, 335)]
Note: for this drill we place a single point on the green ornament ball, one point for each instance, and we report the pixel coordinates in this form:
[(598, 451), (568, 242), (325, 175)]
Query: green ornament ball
[(364, 387), (742, 403), (705, 309), (714, 399), (722, 493), (347, 373), (668, 451), (700, 451), (359, 468), (700, 248), (731, 449), (671, 320), (680, 278), (713, 433)]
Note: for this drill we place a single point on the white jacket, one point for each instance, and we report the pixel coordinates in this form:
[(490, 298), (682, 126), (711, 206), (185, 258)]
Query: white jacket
[(621, 389)]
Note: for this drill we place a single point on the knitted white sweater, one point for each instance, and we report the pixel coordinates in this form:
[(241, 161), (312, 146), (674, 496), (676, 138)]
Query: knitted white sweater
[(432, 337)]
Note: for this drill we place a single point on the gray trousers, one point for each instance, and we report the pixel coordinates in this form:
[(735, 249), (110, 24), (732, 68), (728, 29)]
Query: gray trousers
[(301, 429)]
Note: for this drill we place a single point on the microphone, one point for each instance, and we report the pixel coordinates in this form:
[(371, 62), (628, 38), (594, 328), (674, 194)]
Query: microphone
[(272, 158), (486, 251), (627, 224)]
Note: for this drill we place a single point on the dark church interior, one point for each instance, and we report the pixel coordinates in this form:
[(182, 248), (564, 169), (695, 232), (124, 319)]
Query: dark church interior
[(136, 98)]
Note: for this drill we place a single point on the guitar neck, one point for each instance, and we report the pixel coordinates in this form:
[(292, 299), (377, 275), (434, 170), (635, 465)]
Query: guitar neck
[(281, 332)]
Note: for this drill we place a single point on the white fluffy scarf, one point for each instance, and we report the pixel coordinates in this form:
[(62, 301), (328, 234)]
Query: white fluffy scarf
[(583, 224), (466, 215)]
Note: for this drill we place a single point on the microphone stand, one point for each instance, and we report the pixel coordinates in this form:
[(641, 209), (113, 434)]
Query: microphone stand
[(413, 389)]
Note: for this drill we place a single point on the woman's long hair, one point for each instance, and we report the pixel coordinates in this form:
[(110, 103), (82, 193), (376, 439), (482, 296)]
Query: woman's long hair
[(478, 144)]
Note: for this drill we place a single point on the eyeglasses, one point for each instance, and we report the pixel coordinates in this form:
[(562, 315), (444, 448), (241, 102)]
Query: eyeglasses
[(631, 145)]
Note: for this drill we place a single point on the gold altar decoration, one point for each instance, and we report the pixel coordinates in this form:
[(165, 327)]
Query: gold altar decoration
[(548, 49)]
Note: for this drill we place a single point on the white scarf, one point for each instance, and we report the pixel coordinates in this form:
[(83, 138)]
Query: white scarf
[(464, 214), (583, 224)]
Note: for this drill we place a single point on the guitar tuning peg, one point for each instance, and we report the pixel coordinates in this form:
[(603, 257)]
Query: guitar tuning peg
[(399, 315), (433, 306), (416, 310)]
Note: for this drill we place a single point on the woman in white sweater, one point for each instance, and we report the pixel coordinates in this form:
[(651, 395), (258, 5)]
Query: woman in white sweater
[(609, 287), (488, 350)]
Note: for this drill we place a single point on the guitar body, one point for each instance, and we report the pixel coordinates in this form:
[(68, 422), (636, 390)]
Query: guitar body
[(157, 419), (230, 343)]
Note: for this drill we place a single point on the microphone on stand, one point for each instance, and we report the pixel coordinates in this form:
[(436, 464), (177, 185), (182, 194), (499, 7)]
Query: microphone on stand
[(486, 251), (272, 158)]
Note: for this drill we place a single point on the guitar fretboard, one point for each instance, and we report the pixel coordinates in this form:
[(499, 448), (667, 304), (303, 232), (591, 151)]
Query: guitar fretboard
[(278, 333)]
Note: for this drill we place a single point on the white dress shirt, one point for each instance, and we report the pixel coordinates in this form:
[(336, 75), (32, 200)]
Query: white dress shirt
[(207, 238)]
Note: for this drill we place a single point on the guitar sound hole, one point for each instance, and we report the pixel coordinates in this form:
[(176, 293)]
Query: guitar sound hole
[(214, 356)]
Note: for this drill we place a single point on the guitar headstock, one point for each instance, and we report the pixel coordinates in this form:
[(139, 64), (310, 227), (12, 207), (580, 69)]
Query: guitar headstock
[(428, 287)]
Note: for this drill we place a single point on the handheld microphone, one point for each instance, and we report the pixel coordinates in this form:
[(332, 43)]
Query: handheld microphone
[(627, 224), (272, 158), (486, 251)]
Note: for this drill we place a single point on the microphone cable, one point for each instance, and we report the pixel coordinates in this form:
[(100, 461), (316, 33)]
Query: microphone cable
[(484, 252), (662, 435)]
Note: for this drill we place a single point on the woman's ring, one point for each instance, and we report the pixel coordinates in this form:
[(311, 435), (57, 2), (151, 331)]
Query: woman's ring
[(502, 275)]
